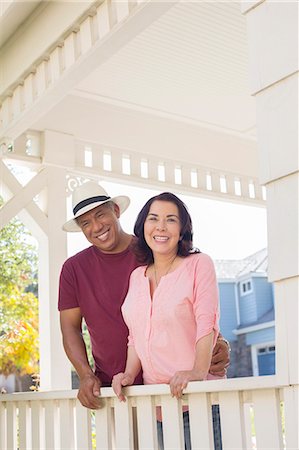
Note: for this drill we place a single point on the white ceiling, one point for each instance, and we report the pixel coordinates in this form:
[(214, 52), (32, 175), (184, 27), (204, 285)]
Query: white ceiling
[(189, 67), (190, 64)]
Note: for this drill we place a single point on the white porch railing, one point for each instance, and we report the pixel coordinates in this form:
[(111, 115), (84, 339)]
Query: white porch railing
[(255, 413)]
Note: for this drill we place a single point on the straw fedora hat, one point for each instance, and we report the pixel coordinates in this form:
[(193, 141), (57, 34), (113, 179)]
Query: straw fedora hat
[(88, 196)]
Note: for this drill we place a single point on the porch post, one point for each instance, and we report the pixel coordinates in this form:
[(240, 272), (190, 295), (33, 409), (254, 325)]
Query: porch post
[(273, 49), (54, 367)]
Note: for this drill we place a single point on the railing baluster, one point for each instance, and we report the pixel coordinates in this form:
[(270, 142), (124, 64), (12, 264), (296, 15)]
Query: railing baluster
[(66, 421), (200, 416), (267, 420), (231, 412), (147, 423), (24, 426), (11, 425), (36, 415), (248, 426), (3, 426), (291, 402), (123, 425), (172, 417), (82, 428), (104, 427), (49, 428)]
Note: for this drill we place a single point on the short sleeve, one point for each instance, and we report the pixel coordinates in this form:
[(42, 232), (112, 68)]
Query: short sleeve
[(206, 297), (67, 298)]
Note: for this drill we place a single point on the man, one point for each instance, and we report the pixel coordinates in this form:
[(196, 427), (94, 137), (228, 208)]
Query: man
[(93, 286)]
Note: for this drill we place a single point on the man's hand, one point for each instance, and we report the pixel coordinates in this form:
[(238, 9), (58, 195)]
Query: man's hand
[(89, 391), (220, 358)]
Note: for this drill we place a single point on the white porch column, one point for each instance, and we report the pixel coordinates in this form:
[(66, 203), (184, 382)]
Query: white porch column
[(273, 48), (54, 365)]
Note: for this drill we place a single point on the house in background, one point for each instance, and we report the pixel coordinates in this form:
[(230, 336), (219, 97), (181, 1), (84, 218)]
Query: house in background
[(247, 314)]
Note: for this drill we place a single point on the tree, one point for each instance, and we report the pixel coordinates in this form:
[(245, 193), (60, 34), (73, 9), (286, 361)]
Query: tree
[(19, 346)]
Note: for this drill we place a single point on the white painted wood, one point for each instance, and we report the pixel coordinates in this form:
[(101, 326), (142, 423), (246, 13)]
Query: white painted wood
[(123, 425), (35, 36), (147, 423), (232, 415), (66, 424), (53, 143), (200, 417), (104, 425), (70, 50), (122, 9), (41, 78), (16, 101), (282, 219), (248, 428), (97, 54), (291, 405), (55, 368), (286, 329), (172, 418), (277, 112), (267, 420), (24, 426), (273, 38), (82, 427), (32, 216), (102, 19), (22, 197), (36, 417), (50, 424), (86, 35), (3, 426), (233, 402), (11, 439), (153, 179), (55, 65)]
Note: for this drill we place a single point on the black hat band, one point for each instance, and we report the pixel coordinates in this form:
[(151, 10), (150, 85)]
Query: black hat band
[(88, 201)]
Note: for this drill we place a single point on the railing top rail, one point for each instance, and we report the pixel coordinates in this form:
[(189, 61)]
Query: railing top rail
[(232, 384)]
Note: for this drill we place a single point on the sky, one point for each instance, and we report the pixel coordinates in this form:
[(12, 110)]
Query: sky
[(221, 229)]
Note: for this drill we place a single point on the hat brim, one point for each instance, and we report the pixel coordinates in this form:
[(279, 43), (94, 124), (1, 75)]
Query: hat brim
[(122, 201)]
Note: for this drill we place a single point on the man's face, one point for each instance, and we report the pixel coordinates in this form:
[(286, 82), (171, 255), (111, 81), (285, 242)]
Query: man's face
[(101, 227)]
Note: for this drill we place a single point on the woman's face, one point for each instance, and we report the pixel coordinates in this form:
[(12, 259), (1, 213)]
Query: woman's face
[(162, 227)]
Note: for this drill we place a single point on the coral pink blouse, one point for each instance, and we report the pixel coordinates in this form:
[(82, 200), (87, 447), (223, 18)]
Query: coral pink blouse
[(166, 328)]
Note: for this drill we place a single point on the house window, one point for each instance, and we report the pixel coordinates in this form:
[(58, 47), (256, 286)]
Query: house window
[(245, 287), (264, 350)]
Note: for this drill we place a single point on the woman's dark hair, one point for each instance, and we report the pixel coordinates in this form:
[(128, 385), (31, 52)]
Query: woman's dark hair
[(185, 244)]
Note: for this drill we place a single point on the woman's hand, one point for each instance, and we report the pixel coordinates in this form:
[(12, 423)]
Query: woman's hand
[(119, 380), (180, 380)]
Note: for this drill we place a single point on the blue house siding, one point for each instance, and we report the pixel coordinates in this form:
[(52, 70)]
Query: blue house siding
[(261, 336), (247, 303), (228, 313), (264, 295), (247, 306)]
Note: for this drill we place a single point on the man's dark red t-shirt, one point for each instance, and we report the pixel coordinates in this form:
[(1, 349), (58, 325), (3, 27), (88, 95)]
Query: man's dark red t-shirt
[(97, 283)]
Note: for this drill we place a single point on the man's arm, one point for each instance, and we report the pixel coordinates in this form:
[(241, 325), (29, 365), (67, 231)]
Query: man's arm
[(220, 357), (74, 346)]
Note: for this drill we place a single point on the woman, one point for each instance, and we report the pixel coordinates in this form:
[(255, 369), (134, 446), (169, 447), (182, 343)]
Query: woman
[(171, 308)]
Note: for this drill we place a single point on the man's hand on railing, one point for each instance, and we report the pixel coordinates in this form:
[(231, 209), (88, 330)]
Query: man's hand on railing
[(89, 391), (220, 357), (119, 380)]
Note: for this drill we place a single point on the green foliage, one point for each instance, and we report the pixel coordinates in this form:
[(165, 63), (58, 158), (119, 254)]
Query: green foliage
[(18, 258), (19, 348)]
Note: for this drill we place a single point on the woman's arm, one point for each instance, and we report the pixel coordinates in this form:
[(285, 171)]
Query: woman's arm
[(127, 377), (202, 361)]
